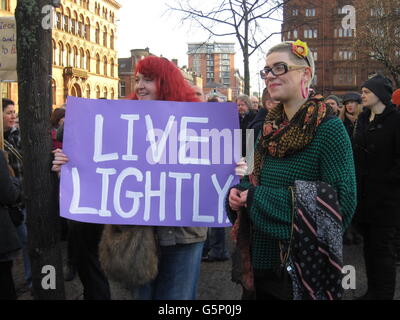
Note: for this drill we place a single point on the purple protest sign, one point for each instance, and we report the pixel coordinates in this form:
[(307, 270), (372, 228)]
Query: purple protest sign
[(154, 163)]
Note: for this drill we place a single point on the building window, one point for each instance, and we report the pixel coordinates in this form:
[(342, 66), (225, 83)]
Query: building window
[(66, 23), (60, 54), (55, 55), (76, 57), (225, 68), (105, 66), (112, 40), (310, 34), (343, 33), (4, 5), (310, 12), (225, 62), (88, 91), (97, 38), (345, 55), (105, 93), (59, 20), (97, 92), (97, 64), (295, 34), (122, 89), (112, 94), (315, 54), (295, 12), (87, 60), (112, 68), (87, 30), (69, 54), (82, 59), (73, 24), (105, 35)]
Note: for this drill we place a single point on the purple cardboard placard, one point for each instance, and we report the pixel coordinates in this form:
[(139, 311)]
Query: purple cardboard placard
[(154, 163)]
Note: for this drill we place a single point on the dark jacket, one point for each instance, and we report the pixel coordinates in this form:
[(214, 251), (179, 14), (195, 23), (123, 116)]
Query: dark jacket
[(349, 127), (9, 193), (377, 159), (258, 122), (244, 123)]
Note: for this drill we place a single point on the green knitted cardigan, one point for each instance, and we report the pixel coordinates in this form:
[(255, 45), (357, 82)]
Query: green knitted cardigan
[(327, 158)]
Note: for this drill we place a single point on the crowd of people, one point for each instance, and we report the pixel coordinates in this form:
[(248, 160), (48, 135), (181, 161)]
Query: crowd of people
[(326, 173)]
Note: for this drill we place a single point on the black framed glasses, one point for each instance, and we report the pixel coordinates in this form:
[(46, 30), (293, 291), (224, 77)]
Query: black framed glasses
[(278, 70)]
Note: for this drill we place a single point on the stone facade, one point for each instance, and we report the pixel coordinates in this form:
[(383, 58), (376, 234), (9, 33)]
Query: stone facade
[(85, 62)]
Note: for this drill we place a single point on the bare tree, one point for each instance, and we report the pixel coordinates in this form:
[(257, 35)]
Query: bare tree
[(34, 67), (247, 20), (379, 37)]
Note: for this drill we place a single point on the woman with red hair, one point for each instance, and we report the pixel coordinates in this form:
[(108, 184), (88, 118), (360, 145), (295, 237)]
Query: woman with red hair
[(180, 248), (166, 80)]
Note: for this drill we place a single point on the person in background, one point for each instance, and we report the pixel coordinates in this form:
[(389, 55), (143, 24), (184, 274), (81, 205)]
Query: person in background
[(245, 117), (255, 104), (199, 93), (56, 120), (335, 104), (12, 143), (301, 140), (377, 158), (349, 115), (258, 121), (351, 110), (9, 241)]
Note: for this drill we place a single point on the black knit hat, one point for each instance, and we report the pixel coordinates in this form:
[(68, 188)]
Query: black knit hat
[(381, 87)]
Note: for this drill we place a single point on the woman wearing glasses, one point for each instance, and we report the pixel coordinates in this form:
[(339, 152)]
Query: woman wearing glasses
[(301, 194)]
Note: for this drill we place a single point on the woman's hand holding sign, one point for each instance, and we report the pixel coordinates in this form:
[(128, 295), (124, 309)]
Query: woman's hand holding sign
[(238, 198), (60, 159)]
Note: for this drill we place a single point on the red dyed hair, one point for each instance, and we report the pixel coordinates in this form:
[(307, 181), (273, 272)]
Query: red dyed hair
[(171, 85)]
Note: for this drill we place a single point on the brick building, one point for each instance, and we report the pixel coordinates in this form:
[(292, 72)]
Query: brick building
[(339, 69), (215, 62)]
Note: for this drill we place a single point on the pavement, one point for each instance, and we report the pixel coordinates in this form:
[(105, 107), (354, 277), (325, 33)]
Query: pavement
[(215, 280)]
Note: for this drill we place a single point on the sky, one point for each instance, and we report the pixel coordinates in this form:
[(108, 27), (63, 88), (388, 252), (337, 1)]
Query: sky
[(147, 23)]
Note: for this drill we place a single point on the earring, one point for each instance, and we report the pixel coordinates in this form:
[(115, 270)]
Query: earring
[(305, 91)]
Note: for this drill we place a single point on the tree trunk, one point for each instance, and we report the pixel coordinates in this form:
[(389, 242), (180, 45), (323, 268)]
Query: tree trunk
[(34, 69), (246, 72)]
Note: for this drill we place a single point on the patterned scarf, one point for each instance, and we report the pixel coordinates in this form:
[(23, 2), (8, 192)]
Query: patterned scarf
[(281, 137)]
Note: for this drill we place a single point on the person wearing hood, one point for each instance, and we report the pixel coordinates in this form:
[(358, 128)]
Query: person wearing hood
[(377, 158)]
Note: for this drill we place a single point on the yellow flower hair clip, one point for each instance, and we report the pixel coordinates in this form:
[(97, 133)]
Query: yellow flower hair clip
[(300, 49)]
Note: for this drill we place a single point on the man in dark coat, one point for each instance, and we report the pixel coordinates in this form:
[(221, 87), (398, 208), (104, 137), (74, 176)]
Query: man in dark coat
[(377, 159)]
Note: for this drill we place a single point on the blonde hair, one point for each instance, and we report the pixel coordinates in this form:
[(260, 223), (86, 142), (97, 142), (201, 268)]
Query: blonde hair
[(357, 110), (286, 46)]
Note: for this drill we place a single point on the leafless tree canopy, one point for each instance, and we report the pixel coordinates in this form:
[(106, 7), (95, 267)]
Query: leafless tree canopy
[(247, 20), (379, 39)]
